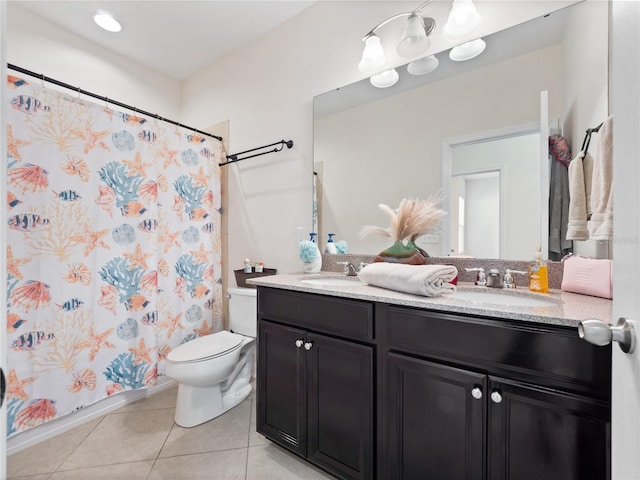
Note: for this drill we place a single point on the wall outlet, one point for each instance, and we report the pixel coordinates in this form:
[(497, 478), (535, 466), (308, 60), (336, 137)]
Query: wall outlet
[(429, 238)]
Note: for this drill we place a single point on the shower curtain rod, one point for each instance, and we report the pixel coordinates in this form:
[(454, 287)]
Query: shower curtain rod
[(234, 157), (44, 78)]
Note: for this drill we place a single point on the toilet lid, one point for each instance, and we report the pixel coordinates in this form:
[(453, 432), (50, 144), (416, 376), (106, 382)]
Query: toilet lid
[(205, 347)]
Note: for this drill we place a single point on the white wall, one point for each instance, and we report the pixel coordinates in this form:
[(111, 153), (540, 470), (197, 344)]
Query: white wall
[(44, 48), (265, 90)]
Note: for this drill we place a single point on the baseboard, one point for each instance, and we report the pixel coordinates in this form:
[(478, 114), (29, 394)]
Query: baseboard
[(55, 427)]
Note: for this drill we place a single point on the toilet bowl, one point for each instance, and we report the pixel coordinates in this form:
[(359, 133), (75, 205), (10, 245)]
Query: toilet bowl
[(214, 371)]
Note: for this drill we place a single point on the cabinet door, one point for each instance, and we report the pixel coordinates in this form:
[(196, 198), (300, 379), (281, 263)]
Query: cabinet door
[(281, 380), (543, 434), (340, 406), (436, 421)]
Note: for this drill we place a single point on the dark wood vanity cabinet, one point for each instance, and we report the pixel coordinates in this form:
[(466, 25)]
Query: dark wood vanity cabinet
[(471, 398), (315, 391), (429, 395), (435, 426), (535, 433)]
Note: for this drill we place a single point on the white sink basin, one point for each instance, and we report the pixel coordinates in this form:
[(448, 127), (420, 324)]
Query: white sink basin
[(507, 299), (332, 282)]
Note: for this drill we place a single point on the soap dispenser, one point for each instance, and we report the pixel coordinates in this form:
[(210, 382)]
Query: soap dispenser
[(331, 246), (310, 255), (538, 274)]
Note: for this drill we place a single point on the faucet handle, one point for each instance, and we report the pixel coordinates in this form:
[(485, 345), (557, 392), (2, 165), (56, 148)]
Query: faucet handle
[(481, 279), (509, 282)]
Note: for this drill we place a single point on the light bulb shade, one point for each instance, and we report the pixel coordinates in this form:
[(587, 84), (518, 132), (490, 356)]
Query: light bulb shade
[(463, 20), (107, 22), (372, 56), (414, 41), (468, 50), (385, 79), (423, 66)]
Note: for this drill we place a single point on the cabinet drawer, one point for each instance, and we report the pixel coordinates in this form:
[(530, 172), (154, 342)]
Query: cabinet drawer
[(338, 316), (547, 355)]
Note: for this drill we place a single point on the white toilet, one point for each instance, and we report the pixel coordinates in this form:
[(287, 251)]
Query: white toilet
[(214, 371)]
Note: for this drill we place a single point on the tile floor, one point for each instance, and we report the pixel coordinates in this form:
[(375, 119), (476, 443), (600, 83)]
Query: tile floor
[(140, 442)]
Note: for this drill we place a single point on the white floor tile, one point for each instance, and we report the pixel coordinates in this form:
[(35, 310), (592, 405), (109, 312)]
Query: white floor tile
[(47, 456), (123, 437), (270, 462), (225, 465), (230, 430)]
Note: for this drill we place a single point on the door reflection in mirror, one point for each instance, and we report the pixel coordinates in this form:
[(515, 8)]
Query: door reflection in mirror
[(501, 205)]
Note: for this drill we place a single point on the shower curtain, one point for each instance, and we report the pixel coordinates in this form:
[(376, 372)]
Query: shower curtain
[(113, 249)]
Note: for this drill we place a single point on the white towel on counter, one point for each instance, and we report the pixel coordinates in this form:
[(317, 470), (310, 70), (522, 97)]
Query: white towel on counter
[(580, 174), (425, 280), (601, 223)]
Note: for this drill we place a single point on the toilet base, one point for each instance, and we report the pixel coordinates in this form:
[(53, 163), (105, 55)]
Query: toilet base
[(196, 405)]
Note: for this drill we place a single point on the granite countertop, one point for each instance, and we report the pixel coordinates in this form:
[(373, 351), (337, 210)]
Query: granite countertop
[(567, 309)]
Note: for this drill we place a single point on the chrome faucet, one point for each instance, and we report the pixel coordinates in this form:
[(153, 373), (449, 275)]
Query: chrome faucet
[(509, 282), (349, 269), (494, 279)]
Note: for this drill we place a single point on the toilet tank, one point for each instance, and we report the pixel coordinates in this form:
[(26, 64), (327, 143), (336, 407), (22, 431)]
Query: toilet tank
[(243, 311)]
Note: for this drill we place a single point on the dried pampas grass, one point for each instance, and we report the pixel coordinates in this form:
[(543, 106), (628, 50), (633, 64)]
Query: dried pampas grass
[(412, 219)]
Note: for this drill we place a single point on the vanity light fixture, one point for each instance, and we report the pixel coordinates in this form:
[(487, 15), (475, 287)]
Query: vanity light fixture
[(463, 21), (107, 22), (373, 58), (385, 79), (414, 41), (423, 65), (468, 50)]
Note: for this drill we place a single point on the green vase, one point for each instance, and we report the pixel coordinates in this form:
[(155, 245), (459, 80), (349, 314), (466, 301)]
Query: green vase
[(422, 251), (400, 253)]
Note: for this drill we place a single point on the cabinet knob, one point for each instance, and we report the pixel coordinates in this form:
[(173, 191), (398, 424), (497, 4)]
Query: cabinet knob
[(496, 396), (476, 393), (299, 343), (308, 345)]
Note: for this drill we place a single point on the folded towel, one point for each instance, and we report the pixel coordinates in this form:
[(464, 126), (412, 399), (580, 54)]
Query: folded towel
[(601, 223), (577, 227), (425, 280)]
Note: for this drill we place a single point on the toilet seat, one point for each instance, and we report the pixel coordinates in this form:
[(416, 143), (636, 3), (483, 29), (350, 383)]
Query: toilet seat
[(206, 348)]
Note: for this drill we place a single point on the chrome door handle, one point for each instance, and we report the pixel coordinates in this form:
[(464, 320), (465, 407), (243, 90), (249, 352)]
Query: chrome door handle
[(308, 345), (476, 393), (299, 343), (496, 396), (601, 333)]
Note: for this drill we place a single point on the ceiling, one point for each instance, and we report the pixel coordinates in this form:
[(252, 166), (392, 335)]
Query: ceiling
[(177, 38)]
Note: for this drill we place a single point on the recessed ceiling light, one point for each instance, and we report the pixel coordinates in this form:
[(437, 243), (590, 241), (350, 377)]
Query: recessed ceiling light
[(106, 21)]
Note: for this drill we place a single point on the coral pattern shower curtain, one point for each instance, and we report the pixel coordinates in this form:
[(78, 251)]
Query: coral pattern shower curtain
[(114, 249)]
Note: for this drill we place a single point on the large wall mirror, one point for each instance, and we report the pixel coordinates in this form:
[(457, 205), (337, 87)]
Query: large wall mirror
[(470, 127)]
